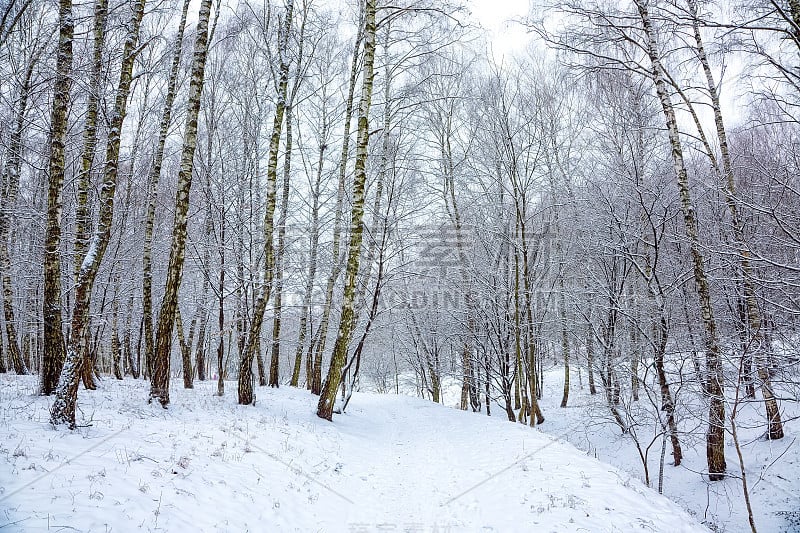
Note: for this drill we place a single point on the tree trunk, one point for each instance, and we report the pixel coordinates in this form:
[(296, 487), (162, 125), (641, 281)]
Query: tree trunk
[(774, 424), (562, 310), (667, 404), (54, 350), (590, 358), (262, 373), (159, 384), (200, 348), (82, 211), (328, 394), (469, 391), (274, 374), (536, 416), (381, 171), (10, 188), (633, 349), (63, 409), (312, 260), (116, 351), (274, 365), (186, 351), (221, 312), (130, 362), (245, 388), (152, 196), (519, 387), (200, 319), (322, 332), (715, 437), (371, 315)]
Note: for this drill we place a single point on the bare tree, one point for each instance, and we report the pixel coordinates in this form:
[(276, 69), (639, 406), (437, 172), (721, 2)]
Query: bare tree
[(54, 349), (159, 387), (338, 358), (63, 408), (245, 389)]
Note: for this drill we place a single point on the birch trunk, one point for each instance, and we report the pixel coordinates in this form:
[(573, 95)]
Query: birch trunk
[(159, 384), (274, 374), (562, 314), (590, 357), (185, 346), (660, 333), (374, 226), (202, 312), (274, 365), (322, 333), (354, 365), (221, 312), (312, 260), (63, 409), (116, 351), (245, 388), (10, 190), (519, 387), (715, 437), (153, 179), (667, 404), (469, 393), (200, 349), (82, 211), (757, 344), (536, 416), (328, 393), (54, 350), (130, 361)]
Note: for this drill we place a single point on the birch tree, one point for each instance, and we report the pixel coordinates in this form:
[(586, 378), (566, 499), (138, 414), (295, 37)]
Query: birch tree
[(327, 396), (320, 339), (82, 212), (9, 181), (715, 437), (245, 385), (153, 180), (159, 386), (280, 250), (753, 315), (63, 408), (54, 349)]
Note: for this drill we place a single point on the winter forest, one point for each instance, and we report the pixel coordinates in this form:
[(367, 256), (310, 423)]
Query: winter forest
[(272, 235)]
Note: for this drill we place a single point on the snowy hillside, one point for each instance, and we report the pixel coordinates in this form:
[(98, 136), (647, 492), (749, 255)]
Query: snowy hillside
[(391, 464), (772, 467)]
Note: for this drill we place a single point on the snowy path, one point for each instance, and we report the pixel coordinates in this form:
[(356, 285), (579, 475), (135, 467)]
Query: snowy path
[(390, 464)]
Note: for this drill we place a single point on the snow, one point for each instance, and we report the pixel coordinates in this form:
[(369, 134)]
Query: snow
[(772, 468), (91, 255), (392, 463)]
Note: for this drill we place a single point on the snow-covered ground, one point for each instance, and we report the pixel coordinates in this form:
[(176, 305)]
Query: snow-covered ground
[(392, 463), (772, 468)]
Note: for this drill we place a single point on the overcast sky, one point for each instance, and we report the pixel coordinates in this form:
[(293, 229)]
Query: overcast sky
[(495, 15)]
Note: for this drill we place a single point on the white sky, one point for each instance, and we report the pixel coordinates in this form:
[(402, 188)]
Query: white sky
[(496, 17)]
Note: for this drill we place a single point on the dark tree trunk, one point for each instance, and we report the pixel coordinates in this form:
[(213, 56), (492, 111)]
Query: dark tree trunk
[(54, 350), (347, 322), (245, 388), (63, 408), (159, 385)]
